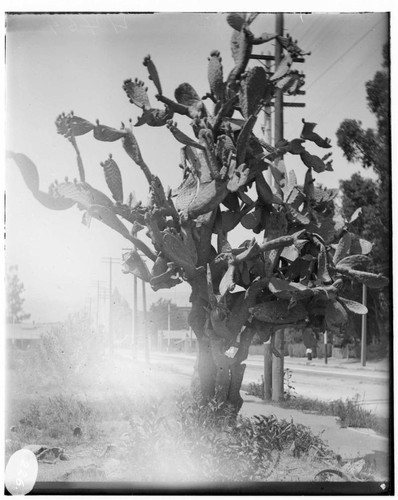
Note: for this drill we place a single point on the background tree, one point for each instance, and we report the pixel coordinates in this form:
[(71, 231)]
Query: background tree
[(372, 149), (14, 291), (290, 276)]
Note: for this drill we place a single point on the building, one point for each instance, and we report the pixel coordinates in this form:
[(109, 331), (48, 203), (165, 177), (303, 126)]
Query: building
[(25, 335), (176, 340)]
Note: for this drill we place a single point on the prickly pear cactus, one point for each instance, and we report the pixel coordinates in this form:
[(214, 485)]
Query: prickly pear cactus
[(291, 273)]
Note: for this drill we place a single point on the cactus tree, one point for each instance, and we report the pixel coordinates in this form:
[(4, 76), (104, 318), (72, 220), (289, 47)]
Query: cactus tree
[(291, 273)]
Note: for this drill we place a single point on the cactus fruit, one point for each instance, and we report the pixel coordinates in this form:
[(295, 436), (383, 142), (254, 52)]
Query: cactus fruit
[(252, 90), (113, 179), (215, 75), (153, 73)]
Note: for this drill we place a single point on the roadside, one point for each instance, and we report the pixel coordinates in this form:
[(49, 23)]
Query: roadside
[(121, 397), (349, 443)]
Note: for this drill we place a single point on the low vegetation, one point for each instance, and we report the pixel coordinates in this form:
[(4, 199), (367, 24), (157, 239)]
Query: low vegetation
[(350, 411)]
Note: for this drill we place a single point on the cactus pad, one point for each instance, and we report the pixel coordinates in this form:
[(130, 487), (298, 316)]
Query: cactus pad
[(155, 117), (291, 46), (236, 20), (252, 90), (278, 312), (107, 134), (181, 137), (137, 93), (312, 161), (215, 75), (186, 95), (283, 67), (113, 179), (70, 124), (131, 147), (28, 170), (153, 73), (133, 264)]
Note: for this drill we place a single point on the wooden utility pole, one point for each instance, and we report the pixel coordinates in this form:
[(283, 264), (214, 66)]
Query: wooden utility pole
[(364, 326), (278, 360), (168, 327), (146, 339), (110, 261), (268, 370), (135, 317), (277, 363)]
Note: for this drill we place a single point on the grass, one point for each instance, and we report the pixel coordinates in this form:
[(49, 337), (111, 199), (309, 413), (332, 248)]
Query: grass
[(350, 411), (54, 420), (184, 442)]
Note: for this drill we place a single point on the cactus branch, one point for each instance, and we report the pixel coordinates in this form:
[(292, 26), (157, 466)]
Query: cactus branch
[(80, 166)]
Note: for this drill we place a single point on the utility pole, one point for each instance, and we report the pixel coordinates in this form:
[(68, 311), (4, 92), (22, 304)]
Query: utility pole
[(110, 261), (364, 326), (135, 317), (276, 346), (325, 343), (146, 339), (168, 326), (278, 361)]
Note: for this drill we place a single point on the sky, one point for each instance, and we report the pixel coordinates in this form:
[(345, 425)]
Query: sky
[(78, 62)]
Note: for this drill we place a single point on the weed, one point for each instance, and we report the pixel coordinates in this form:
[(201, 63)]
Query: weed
[(257, 389), (56, 418), (350, 412)]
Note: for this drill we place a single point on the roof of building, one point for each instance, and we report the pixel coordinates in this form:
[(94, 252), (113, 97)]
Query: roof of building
[(27, 331)]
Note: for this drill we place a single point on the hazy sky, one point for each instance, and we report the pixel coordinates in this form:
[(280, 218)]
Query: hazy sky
[(78, 62)]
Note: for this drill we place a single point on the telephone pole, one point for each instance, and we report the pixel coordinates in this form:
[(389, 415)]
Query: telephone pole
[(274, 349), (110, 261), (364, 326)]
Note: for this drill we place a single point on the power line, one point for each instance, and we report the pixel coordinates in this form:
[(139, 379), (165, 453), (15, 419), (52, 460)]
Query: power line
[(344, 54)]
